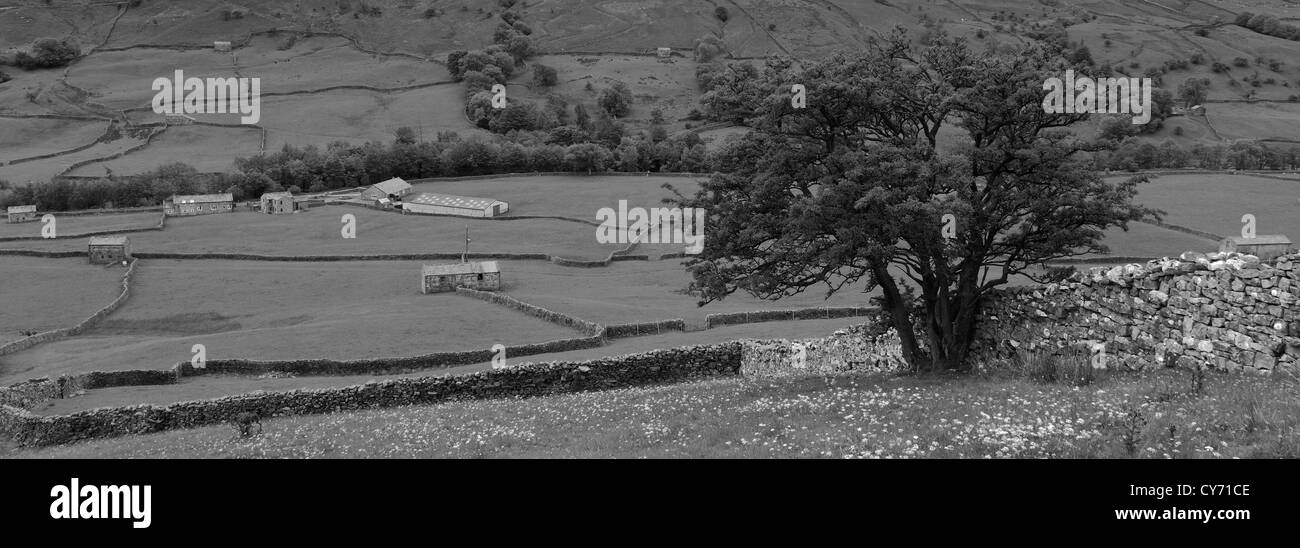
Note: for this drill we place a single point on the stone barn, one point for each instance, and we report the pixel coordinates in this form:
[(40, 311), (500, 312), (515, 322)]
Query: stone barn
[(199, 204), (485, 276), (663, 53), (221, 45), (22, 214), (1265, 247), (276, 203), (109, 249), (446, 204), (392, 189)]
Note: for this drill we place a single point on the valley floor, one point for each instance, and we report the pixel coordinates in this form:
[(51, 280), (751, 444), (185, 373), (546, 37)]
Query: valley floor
[(1155, 415)]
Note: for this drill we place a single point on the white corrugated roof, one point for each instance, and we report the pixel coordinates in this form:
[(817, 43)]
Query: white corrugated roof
[(460, 268), (22, 209), (396, 185), (276, 195), (448, 200)]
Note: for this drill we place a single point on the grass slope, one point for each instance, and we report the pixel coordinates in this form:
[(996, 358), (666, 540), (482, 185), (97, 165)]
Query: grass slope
[(849, 416)]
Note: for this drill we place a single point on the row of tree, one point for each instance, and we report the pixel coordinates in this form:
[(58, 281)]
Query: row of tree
[(344, 165)]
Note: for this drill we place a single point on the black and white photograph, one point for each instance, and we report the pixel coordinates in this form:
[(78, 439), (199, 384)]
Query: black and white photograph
[(1049, 245)]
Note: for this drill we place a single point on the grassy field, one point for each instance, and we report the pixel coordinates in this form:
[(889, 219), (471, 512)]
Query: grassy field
[(261, 310), (207, 149), (198, 388), (44, 294), (80, 224), (1153, 415), (39, 171), (319, 232), (24, 138), (1215, 203)]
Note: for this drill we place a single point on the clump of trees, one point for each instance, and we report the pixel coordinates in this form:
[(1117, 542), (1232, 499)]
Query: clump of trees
[(616, 99), (1268, 24), (48, 53)]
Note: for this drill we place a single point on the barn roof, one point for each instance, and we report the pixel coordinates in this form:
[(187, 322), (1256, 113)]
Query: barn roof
[(447, 200), (396, 185), (276, 195), (108, 240), (203, 198), (1269, 239), (484, 267), (22, 209)]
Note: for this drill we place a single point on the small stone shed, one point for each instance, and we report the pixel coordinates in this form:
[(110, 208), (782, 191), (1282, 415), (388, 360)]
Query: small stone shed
[(21, 214), (109, 249), (484, 275), (1265, 247)]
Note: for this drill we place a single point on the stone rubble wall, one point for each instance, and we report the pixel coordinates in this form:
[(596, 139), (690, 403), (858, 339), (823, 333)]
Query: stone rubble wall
[(861, 347), (1223, 310)]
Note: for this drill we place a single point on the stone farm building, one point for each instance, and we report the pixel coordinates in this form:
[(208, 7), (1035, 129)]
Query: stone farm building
[(109, 249), (394, 188), (1266, 248), (199, 204), (447, 277), (22, 214), (275, 203), (446, 204)]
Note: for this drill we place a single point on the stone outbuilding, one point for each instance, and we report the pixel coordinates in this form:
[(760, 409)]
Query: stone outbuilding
[(484, 276), (1265, 247), (21, 214), (109, 249), (276, 203)]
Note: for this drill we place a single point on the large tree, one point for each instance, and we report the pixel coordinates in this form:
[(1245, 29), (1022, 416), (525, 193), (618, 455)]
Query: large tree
[(856, 187)]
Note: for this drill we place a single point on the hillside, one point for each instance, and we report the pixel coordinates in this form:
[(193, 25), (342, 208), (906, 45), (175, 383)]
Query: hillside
[(345, 70)]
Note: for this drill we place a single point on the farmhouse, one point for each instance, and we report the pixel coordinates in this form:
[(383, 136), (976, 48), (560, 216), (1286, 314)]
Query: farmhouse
[(199, 204), (109, 249), (394, 188), (22, 214), (447, 277), (1265, 247), (446, 204), (275, 203)]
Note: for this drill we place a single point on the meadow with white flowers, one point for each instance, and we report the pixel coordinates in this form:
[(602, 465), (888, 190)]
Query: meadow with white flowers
[(999, 414)]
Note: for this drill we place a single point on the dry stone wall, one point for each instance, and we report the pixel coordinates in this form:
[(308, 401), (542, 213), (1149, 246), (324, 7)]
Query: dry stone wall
[(526, 380), (1223, 310), (862, 347)]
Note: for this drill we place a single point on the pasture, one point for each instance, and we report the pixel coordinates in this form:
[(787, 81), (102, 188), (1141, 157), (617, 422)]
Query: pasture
[(319, 232), (68, 226), (261, 310), (214, 386), (43, 294), (1215, 203), (27, 137)]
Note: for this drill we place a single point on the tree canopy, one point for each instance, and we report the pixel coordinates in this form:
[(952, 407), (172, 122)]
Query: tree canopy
[(856, 187)]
